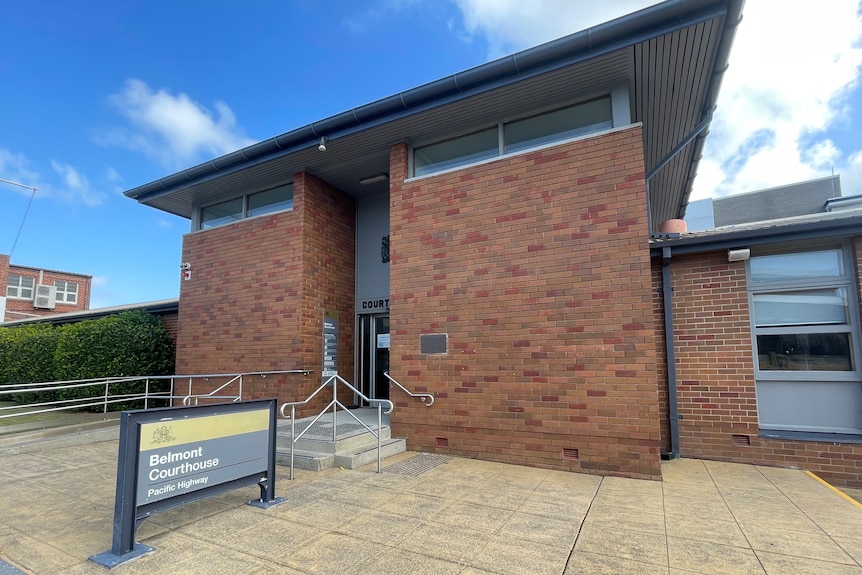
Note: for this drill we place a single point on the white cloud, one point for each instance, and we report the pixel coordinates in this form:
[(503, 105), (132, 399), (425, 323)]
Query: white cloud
[(73, 188), (76, 188), (164, 224), (791, 72), (174, 129), (512, 25), (794, 90)]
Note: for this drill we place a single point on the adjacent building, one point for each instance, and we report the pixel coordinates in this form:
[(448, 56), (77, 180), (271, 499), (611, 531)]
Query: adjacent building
[(36, 292), (492, 238)]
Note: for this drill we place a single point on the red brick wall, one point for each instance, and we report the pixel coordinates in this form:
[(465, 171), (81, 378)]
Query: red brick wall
[(715, 376), (25, 306), (258, 289), (537, 267)]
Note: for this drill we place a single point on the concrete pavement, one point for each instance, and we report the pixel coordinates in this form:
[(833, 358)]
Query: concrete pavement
[(427, 516)]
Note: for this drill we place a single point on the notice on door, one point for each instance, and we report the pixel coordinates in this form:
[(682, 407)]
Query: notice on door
[(330, 343)]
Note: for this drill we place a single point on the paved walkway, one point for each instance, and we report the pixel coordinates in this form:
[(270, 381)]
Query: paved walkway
[(462, 516)]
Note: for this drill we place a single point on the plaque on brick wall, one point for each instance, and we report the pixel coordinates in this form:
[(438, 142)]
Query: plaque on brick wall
[(433, 343)]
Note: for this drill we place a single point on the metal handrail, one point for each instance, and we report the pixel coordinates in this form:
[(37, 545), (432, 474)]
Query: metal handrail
[(107, 398), (236, 377), (334, 404), (422, 396)]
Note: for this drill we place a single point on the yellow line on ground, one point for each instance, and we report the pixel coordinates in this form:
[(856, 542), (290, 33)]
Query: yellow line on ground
[(836, 490)]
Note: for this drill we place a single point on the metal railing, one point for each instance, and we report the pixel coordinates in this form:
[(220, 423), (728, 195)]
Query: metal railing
[(236, 378), (422, 396), (152, 391), (335, 404)]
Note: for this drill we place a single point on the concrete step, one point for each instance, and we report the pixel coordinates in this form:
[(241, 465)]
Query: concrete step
[(352, 459), (353, 441)]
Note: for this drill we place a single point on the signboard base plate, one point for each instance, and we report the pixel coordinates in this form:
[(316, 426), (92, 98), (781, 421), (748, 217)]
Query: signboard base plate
[(110, 560), (267, 504)]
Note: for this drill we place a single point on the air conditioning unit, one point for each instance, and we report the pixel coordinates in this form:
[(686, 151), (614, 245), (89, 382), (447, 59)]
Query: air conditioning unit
[(45, 297)]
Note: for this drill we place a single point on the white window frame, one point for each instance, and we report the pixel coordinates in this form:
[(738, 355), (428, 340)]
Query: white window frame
[(19, 287), (62, 294)]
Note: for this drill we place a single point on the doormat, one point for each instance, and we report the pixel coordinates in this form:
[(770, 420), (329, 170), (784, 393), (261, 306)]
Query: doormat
[(417, 465)]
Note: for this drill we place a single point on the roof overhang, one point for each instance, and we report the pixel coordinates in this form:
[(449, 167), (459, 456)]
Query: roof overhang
[(807, 228), (671, 56)]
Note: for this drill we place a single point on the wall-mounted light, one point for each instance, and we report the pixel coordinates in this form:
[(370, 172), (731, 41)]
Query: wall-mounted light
[(373, 179), (738, 255), (322, 146)]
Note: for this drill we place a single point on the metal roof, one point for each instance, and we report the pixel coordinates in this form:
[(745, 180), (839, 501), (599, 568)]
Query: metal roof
[(792, 229), (153, 307), (671, 55)]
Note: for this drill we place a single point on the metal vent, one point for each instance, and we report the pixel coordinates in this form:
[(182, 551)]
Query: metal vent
[(740, 440), (570, 454), (441, 442)]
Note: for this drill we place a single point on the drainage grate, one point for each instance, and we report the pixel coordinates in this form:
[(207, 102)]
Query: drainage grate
[(417, 465)]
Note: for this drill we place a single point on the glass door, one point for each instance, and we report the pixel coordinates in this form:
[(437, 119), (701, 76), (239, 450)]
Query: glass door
[(374, 355)]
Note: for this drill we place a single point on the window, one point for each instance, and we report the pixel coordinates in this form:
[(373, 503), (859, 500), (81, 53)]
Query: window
[(276, 200), (20, 286), (257, 204), (806, 341), (221, 214), (456, 152), (562, 124), (67, 292), (558, 125)]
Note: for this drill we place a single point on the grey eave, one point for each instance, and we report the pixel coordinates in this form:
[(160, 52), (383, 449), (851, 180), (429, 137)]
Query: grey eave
[(811, 227), (671, 55)]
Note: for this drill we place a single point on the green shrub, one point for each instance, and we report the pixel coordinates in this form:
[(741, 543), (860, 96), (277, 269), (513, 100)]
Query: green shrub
[(27, 355), (125, 344)]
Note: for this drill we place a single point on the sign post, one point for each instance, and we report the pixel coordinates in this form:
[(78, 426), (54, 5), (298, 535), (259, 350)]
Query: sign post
[(172, 456)]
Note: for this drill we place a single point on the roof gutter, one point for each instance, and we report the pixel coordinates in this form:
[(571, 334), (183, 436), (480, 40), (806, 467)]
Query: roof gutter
[(604, 38)]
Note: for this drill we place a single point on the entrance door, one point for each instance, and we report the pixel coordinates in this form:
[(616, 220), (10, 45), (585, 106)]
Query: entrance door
[(374, 355)]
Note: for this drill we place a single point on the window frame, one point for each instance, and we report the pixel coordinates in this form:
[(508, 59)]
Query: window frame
[(65, 292), (851, 326), (198, 223), (18, 289), (612, 95)]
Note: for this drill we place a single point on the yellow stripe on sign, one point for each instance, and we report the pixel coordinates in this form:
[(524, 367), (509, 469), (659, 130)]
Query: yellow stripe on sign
[(173, 432)]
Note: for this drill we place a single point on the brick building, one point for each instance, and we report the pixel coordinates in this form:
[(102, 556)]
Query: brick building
[(493, 238), (36, 292)]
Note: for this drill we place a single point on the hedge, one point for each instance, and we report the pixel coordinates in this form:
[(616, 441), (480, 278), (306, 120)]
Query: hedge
[(125, 344)]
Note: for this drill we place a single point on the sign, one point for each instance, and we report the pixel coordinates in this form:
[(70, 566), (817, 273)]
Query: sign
[(382, 341), (172, 456), (183, 456), (381, 304), (330, 344)]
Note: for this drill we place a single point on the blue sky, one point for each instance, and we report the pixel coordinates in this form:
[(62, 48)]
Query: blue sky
[(99, 97)]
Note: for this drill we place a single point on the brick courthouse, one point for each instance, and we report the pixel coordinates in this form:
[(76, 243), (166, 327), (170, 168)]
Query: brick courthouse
[(493, 238)]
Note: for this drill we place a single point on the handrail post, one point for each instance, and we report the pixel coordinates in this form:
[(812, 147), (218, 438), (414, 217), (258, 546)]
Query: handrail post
[(334, 409), (146, 393), (292, 435), (379, 432), (105, 406)]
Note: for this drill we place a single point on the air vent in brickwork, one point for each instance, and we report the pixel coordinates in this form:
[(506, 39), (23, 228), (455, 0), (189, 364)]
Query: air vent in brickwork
[(441, 442), (740, 440), (570, 454)]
